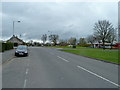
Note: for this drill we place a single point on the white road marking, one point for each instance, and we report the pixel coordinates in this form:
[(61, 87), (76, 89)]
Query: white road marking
[(25, 83), (98, 76), (62, 58), (27, 71)]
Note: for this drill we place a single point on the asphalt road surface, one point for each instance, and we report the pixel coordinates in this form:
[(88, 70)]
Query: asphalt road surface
[(50, 68)]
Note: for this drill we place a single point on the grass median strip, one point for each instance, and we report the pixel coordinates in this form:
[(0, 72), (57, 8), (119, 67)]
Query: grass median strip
[(106, 55)]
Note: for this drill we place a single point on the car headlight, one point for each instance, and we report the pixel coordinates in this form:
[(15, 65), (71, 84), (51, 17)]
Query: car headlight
[(25, 51), (16, 51)]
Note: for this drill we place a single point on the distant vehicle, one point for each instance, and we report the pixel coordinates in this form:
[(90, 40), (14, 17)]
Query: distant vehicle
[(116, 46), (22, 50), (107, 47), (70, 45)]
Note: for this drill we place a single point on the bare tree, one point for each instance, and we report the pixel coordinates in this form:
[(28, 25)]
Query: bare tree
[(91, 39), (103, 30), (72, 41), (113, 36), (53, 38), (44, 38), (63, 42), (97, 39), (82, 41), (119, 33)]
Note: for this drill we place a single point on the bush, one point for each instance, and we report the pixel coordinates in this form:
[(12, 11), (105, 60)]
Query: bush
[(85, 45), (0, 46), (74, 46), (7, 46), (15, 44)]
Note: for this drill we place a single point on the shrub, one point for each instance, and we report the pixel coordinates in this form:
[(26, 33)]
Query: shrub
[(85, 45), (74, 46), (15, 44), (0, 46), (7, 46)]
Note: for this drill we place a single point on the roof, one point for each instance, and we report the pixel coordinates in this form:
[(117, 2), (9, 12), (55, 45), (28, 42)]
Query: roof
[(15, 39)]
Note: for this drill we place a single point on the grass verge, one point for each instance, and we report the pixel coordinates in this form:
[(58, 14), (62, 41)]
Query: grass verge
[(106, 55)]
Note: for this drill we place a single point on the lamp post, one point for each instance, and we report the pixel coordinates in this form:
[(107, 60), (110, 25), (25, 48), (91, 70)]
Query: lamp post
[(13, 25)]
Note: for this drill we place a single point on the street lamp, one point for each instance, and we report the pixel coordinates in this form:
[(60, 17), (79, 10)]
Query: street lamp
[(13, 25)]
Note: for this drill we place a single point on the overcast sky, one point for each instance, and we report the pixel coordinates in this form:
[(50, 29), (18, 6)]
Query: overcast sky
[(67, 19)]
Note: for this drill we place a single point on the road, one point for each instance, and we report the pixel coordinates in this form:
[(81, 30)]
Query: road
[(50, 68)]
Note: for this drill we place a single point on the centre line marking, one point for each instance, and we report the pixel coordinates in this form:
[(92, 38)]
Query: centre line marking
[(62, 58), (27, 71), (98, 76), (25, 83)]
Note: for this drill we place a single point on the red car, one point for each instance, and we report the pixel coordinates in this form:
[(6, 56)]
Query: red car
[(117, 46)]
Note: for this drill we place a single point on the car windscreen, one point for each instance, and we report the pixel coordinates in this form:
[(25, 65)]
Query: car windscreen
[(22, 48)]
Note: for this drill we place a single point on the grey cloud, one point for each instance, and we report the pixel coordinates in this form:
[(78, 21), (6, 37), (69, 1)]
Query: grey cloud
[(66, 19)]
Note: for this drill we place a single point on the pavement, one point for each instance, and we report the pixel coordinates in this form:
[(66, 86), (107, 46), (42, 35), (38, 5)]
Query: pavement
[(50, 68), (7, 55)]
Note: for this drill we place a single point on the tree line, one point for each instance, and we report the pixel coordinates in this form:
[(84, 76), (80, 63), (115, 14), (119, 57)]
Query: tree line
[(104, 32)]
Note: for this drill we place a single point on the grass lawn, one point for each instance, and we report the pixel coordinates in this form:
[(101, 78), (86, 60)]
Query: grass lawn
[(107, 55), (77, 47), (59, 46)]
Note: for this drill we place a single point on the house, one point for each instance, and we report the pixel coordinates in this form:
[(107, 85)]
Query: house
[(100, 44), (17, 41)]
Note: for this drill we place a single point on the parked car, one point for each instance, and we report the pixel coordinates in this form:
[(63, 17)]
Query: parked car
[(22, 50), (70, 45), (116, 46)]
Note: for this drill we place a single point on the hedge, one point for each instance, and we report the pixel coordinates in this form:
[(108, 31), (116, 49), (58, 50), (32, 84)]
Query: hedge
[(6, 46), (0, 46)]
